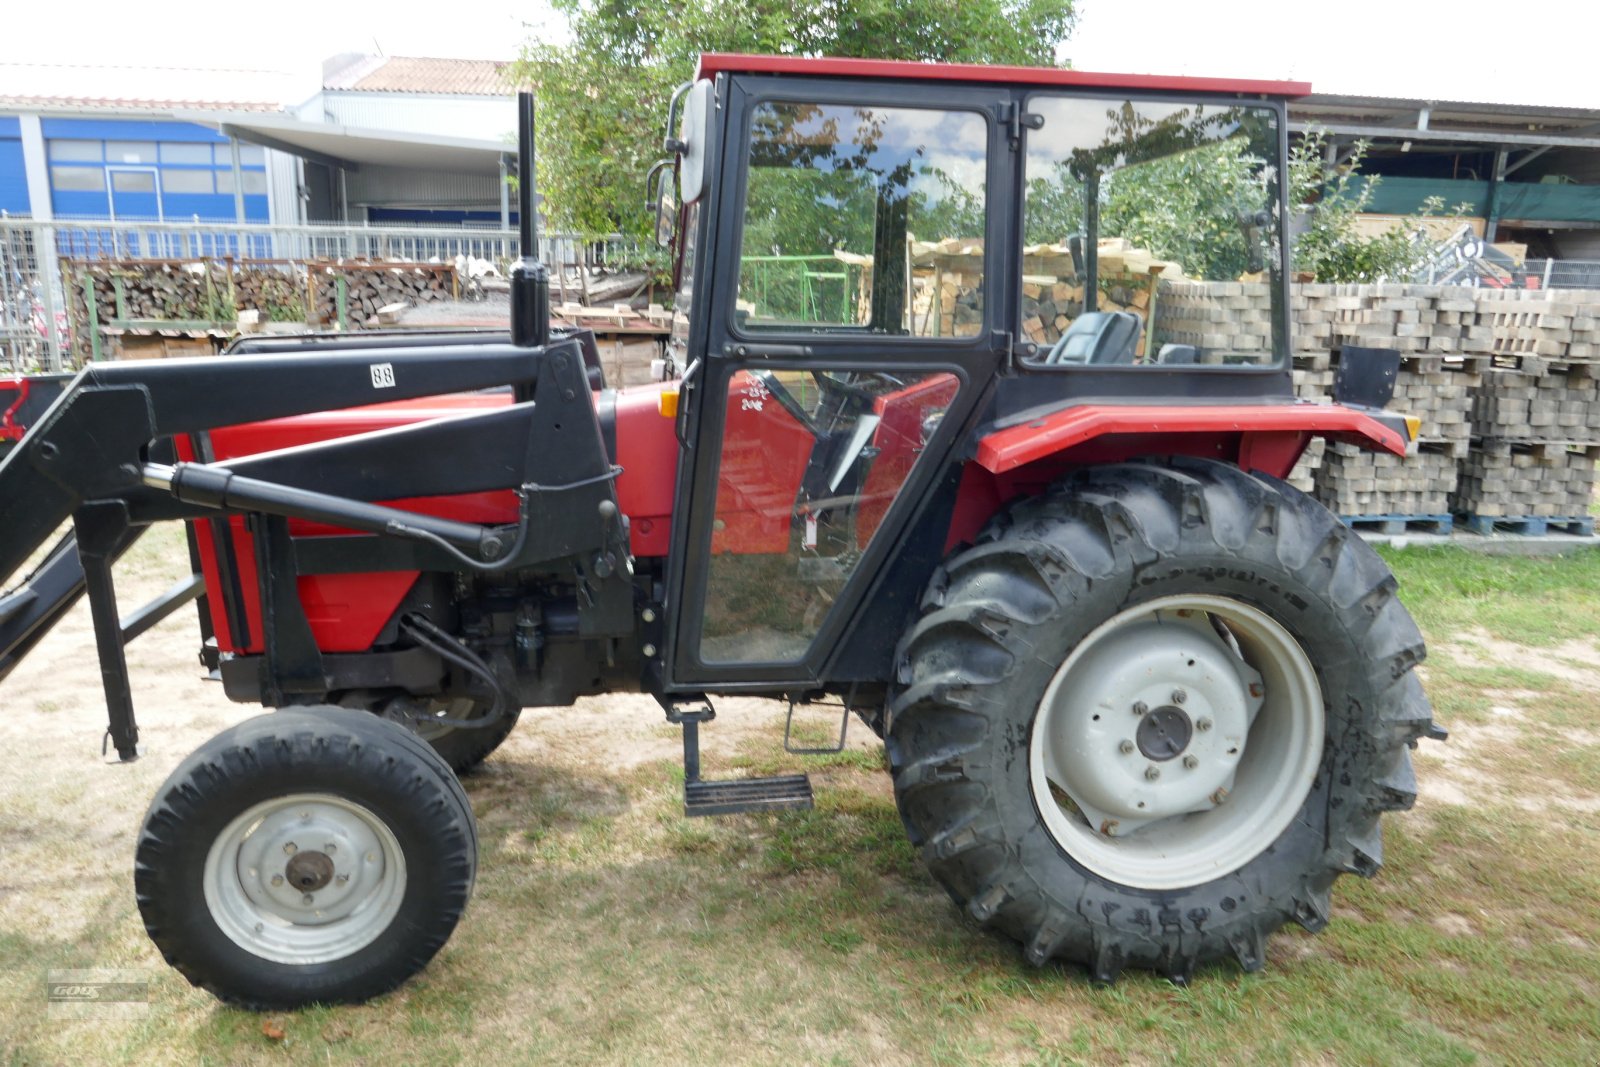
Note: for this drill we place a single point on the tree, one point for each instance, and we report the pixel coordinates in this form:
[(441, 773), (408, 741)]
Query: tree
[(603, 97), (1326, 243)]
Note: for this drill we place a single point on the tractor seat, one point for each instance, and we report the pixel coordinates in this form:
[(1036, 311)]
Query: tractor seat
[(1099, 337)]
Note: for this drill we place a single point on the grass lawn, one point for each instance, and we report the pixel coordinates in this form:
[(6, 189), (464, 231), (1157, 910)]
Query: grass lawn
[(607, 928)]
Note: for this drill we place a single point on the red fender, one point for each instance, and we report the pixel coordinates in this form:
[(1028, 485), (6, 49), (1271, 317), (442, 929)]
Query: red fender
[(1023, 458)]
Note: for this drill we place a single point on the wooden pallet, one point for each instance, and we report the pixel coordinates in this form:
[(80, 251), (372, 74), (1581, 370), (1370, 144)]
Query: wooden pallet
[(1530, 526), (1399, 524)]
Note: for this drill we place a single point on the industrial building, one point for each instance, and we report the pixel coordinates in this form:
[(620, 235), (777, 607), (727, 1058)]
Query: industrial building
[(379, 140)]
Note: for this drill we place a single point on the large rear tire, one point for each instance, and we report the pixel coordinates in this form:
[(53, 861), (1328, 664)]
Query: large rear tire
[(304, 856), (1153, 715)]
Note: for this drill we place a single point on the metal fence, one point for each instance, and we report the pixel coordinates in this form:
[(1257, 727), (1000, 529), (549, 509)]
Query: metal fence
[(34, 326)]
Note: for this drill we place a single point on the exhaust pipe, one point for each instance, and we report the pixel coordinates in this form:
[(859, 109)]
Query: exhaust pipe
[(530, 282)]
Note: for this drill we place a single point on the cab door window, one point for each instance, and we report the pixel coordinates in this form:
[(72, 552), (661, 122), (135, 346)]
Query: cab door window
[(863, 219)]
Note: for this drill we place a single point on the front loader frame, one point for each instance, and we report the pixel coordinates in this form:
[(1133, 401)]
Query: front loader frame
[(96, 457)]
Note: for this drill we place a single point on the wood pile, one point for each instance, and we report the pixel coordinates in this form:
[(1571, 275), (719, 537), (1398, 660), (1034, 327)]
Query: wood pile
[(369, 287), (200, 299)]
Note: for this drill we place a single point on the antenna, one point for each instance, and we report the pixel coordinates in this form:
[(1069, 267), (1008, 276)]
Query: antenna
[(530, 282)]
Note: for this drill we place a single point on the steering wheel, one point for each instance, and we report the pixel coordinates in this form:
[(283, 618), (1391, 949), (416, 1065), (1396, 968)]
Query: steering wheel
[(841, 388)]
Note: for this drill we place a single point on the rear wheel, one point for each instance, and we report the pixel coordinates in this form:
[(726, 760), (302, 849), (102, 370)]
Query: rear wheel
[(308, 855), (431, 718), (1153, 715), (462, 747)]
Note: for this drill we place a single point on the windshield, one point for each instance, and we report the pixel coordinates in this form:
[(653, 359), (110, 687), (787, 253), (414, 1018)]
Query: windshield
[(1152, 233)]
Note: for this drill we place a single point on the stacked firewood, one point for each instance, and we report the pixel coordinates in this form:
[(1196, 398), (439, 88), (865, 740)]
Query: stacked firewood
[(369, 287)]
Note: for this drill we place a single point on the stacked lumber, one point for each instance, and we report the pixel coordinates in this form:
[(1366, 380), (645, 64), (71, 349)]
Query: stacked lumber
[(369, 287)]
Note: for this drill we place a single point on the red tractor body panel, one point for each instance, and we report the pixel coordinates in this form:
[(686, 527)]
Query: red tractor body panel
[(347, 611), (713, 63), (13, 392)]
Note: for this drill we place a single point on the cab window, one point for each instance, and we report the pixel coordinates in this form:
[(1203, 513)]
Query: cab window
[(863, 219), (1151, 233)]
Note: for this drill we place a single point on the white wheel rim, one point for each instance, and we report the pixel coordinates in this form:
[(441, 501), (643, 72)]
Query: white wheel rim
[(1213, 768), (305, 878)]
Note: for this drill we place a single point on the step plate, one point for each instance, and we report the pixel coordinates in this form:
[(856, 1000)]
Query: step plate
[(747, 794)]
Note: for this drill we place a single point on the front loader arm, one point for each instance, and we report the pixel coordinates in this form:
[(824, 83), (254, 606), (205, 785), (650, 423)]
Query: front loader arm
[(101, 457)]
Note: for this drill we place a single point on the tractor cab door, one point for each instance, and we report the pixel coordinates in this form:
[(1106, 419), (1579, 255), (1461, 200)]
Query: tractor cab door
[(849, 320)]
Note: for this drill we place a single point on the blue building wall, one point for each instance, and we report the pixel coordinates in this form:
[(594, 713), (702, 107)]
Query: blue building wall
[(129, 169), (13, 178)]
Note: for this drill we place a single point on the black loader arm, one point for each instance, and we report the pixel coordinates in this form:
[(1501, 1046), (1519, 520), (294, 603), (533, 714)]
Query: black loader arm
[(101, 456)]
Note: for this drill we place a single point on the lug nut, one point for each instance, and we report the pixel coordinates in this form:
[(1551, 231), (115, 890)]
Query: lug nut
[(307, 898), (1203, 724), (330, 847), (1219, 796), (648, 615), (1126, 747), (342, 879), (1141, 708), (277, 879), (1179, 696), (1151, 773), (290, 847), (1191, 762)]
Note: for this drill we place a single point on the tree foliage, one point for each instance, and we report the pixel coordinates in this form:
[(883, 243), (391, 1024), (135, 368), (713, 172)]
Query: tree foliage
[(603, 97), (1326, 243)]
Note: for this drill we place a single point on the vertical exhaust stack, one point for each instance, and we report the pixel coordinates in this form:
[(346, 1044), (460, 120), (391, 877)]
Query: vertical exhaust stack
[(530, 282)]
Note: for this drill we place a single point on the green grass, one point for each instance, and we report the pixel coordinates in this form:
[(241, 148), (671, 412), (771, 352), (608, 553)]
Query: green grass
[(607, 928), (1530, 601)]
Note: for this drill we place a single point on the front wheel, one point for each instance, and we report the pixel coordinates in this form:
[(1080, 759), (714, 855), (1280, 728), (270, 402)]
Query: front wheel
[(1153, 715), (308, 855)]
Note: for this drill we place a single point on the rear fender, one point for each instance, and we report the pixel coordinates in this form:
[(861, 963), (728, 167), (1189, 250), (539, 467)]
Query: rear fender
[(1032, 450)]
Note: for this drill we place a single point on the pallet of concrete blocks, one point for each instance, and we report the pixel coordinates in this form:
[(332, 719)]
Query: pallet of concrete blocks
[(1528, 327), (1527, 487), (1230, 322), (1304, 475), (1560, 403), (1385, 492)]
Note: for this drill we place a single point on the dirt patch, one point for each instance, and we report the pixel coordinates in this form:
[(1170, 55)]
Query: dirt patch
[(1570, 661)]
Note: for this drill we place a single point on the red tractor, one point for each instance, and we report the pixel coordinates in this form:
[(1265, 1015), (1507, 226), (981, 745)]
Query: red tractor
[(940, 445)]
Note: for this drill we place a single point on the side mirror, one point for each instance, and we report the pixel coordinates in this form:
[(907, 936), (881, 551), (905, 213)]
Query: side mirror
[(660, 199), (692, 138)]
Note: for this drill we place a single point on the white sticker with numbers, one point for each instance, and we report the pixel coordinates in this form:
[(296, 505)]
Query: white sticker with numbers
[(383, 375)]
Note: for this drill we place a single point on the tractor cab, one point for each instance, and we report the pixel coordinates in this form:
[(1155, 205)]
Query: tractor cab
[(875, 259)]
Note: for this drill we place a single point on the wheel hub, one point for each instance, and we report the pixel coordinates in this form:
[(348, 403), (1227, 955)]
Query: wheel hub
[(309, 871), (1164, 733), (1117, 723)]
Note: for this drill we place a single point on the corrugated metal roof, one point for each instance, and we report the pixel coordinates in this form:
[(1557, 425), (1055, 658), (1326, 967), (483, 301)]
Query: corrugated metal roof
[(419, 74)]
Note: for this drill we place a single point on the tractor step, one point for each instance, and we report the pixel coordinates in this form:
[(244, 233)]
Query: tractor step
[(737, 795), (782, 793)]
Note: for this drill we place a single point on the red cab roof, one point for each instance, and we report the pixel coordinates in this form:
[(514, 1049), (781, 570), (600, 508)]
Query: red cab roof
[(712, 63)]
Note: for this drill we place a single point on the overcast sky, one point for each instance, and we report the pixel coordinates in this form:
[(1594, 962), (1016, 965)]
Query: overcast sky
[(1463, 50)]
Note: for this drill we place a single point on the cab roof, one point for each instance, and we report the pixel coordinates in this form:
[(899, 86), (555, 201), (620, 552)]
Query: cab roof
[(713, 63)]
